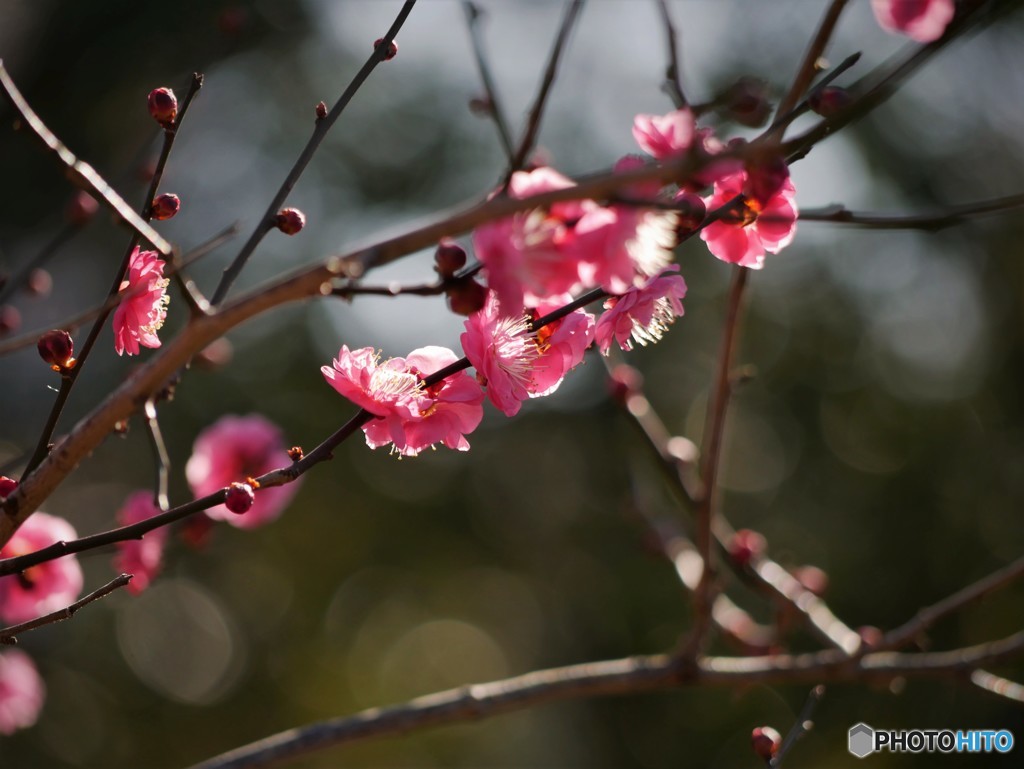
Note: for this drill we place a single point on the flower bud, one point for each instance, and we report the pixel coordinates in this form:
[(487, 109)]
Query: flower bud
[(691, 209), (624, 381), (466, 297), (321, 110), (829, 100), (870, 636), (81, 209), (165, 206), (812, 578), (765, 177), (10, 319), (40, 282), (766, 742), (449, 258), (392, 48), (7, 486), (57, 348), (163, 106), (216, 354), (746, 102), (745, 545), (239, 498), (481, 106), (290, 221)]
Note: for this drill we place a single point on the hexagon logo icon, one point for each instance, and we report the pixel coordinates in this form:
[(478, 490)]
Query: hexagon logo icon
[(861, 740)]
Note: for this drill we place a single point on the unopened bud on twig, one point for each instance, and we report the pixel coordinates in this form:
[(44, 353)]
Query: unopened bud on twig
[(290, 221), (745, 545), (163, 106), (392, 48), (7, 486), (57, 348), (10, 319), (81, 209), (746, 102), (466, 297), (829, 100), (40, 282), (812, 578), (449, 258), (321, 110), (165, 206), (766, 742), (239, 498)]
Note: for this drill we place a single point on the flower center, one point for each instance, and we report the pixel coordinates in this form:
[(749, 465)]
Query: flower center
[(515, 350)]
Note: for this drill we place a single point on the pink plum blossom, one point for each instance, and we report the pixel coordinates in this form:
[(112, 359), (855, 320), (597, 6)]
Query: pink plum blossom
[(142, 558), (455, 408), (665, 136), (503, 352), (385, 389), (562, 345), (524, 254), (744, 234), (143, 308), (21, 691), (642, 314), (921, 20), (46, 587), (231, 450)]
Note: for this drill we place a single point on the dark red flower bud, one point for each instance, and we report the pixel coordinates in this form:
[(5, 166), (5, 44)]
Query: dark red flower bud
[(239, 498), (449, 258), (745, 545), (40, 282), (746, 102), (766, 742), (692, 211), (290, 221), (57, 348), (321, 110), (392, 48), (163, 106), (829, 100), (7, 486), (870, 636), (466, 297), (81, 209), (10, 319), (165, 206)]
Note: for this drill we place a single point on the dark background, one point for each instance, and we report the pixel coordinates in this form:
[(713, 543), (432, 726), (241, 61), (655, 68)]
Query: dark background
[(881, 439)]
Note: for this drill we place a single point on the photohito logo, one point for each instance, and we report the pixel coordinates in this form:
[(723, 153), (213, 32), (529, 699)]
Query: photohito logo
[(863, 740)]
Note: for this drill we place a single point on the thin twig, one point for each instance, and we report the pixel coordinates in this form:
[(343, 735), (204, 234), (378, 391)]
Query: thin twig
[(930, 222), (710, 456), (533, 122), (349, 289), (631, 675), (1004, 687), (673, 82), (928, 616), (320, 129), (801, 727), (81, 173), (809, 65), (9, 635), (160, 456), (473, 14)]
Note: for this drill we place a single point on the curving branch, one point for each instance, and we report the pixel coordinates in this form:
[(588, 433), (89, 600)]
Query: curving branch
[(631, 675)]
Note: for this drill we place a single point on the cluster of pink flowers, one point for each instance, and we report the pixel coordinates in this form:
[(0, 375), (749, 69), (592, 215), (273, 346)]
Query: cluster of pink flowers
[(536, 261)]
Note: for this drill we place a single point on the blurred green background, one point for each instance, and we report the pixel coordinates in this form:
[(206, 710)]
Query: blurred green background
[(882, 439)]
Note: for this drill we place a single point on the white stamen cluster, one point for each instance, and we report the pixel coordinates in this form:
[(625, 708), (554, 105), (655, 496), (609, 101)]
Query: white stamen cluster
[(515, 348), (651, 249), (662, 317)]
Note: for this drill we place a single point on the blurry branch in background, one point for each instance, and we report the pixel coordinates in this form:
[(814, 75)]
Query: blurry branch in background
[(20, 278), (931, 222), (82, 174), (998, 685), (631, 675), (160, 456), (8, 635), (320, 130), (536, 112), (673, 84), (28, 339), (491, 103)]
